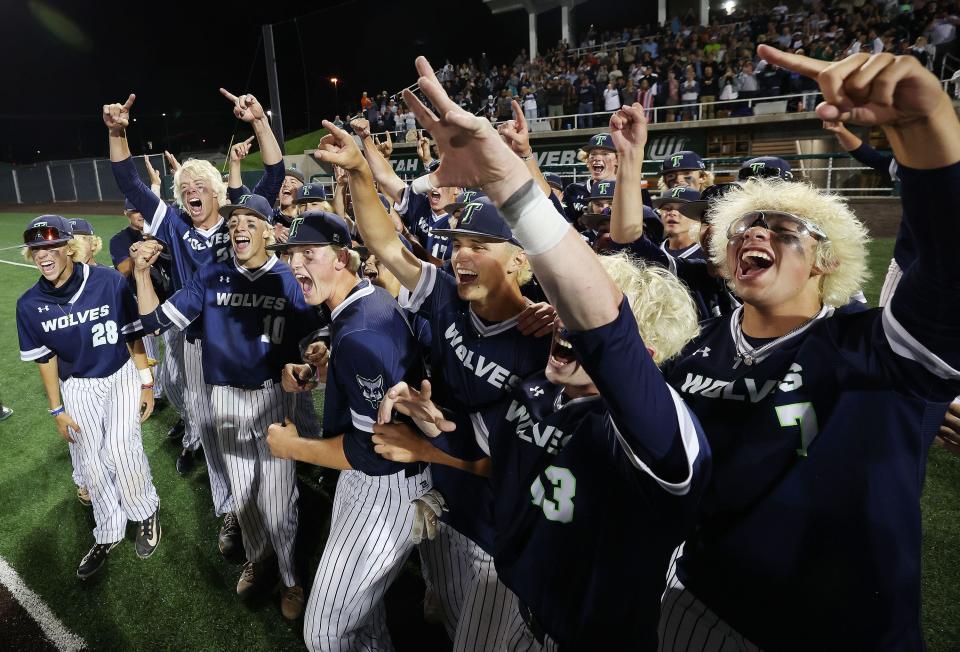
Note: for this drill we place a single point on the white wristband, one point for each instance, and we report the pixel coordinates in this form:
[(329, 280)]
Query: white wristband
[(146, 377), (421, 185), (535, 222)]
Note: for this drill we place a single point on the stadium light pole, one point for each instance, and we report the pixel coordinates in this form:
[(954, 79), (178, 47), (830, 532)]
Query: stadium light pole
[(271, 57), (336, 95)]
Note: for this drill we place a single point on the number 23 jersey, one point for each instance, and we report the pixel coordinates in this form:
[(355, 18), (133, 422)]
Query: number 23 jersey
[(85, 323)]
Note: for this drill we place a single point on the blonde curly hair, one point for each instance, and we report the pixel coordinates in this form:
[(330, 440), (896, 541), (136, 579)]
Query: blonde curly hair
[(842, 258), (84, 247), (202, 170), (666, 315)]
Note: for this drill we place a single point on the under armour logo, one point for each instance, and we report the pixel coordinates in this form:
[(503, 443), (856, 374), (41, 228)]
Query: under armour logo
[(467, 215), (224, 279), (603, 187), (536, 391), (43, 309), (294, 225), (675, 159), (705, 351)]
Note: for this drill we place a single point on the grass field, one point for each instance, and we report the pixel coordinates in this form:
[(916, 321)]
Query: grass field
[(183, 597)]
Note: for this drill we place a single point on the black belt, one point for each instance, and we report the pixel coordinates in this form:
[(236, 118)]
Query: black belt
[(531, 622), (414, 469)]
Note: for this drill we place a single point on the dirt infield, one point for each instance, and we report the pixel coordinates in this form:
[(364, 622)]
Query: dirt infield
[(882, 216), (18, 630)]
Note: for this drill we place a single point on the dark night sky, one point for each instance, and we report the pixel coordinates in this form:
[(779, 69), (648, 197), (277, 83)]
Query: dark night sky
[(64, 60)]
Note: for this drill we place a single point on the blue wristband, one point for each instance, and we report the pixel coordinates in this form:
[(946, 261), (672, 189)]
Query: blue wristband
[(56, 411)]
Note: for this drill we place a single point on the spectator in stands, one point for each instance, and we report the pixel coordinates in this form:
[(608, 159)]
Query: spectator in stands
[(611, 98), (690, 94), (645, 96), (529, 104), (555, 97), (586, 97), (365, 101), (745, 81), (708, 91), (672, 94)]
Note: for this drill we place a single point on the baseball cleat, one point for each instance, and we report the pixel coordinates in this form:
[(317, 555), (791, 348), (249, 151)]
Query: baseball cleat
[(185, 461), (291, 602), (5, 413), (256, 577), (148, 535), (176, 430), (84, 496), (95, 559), (230, 538)]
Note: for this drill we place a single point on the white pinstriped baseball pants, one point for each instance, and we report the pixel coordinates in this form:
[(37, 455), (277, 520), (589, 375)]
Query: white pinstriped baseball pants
[(480, 613), (114, 466), (171, 371), (201, 427), (368, 544), (264, 487)]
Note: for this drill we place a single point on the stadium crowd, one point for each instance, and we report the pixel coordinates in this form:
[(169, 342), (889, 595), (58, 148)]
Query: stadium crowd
[(603, 420), (681, 63)]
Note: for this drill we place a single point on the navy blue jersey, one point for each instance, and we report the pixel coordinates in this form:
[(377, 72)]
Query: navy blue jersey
[(372, 348), (576, 198), (420, 220), (86, 322), (191, 247), (253, 320), (474, 363), (160, 272), (592, 495), (810, 532)]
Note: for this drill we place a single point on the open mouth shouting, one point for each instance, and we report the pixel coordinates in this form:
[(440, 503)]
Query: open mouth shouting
[(562, 358), (195, 207), (597, 168), (753, 262), (465, 277), (241, 244), (306, 284), (47, 267)]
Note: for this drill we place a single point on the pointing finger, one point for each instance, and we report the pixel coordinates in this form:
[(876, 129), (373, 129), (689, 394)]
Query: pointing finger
[(796, 62), (227, 94), (129, 102)]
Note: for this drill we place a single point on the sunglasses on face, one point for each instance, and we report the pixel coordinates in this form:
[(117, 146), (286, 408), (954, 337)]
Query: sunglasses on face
[(40, 234), (780, 224)]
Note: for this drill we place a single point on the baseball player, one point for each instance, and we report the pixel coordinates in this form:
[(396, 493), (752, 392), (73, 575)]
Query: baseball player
[(684, 168), (841, 408), (253, 316), (601, 160), (79, 324), (371, 348), (197, 235), (480, 354), (85, 244)]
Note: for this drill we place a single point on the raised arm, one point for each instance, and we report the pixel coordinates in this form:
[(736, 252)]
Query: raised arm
[(238, 152), (376, 227), (628, 128), (473, 154), (516, 134), (248, 109), (391, 184)]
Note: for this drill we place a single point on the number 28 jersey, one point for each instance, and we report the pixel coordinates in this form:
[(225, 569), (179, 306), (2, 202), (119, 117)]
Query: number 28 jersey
[(85, 323)]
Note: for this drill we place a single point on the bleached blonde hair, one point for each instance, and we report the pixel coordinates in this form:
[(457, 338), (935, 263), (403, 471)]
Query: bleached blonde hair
[(660, 302), (197, 169), (353, 257), (842, 258), (525, 272), (707, 179), (79, 241)]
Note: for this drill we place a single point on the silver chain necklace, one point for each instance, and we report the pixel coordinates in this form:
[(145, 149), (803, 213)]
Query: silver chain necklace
[(748, 354)]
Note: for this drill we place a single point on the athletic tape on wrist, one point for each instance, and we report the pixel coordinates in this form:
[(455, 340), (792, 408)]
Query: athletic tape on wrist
[(146, 378), (422, 185), (57, 411), (535, 223)]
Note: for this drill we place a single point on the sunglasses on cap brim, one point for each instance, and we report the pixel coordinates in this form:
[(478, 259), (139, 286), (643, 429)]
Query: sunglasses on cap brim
[(765, 172), (39, 236), (778, 223)]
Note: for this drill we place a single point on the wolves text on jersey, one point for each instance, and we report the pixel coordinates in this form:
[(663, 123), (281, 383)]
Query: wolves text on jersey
[(493, 373), (547, 437), (741, 389), (244, 300), (75, 319)]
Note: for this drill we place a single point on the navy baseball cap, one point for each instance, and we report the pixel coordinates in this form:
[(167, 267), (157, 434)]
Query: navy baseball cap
[(128, 207), (315, 228), (310, 192), (80, 226), (683, 160), (463, 199), (295, 173), (599, 141), (696, 210), (678, 195), (766, 167), (553, 180), (256, 204), (47, 230), (480, 219), (602, 190)]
